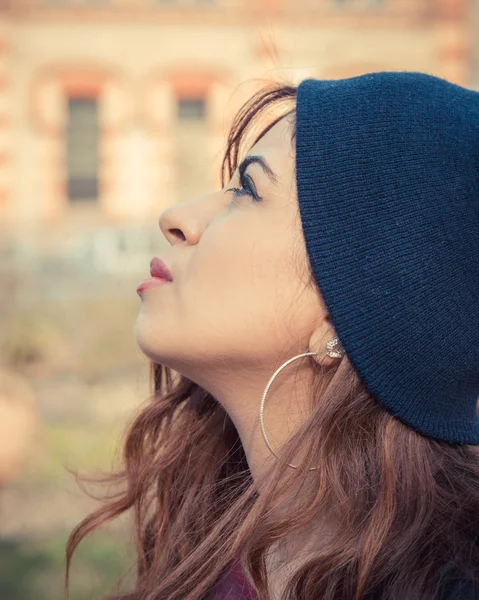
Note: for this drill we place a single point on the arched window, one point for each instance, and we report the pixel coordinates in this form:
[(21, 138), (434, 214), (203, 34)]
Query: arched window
[(82, 139), (191, 139)]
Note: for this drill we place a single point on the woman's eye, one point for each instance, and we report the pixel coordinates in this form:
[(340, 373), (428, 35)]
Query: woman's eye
[(246, 189)]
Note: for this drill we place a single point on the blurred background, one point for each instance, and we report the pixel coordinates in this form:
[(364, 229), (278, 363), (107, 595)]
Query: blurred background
[(110, 111)]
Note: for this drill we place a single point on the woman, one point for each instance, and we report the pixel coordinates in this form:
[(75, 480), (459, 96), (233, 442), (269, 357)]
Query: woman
[(314, 341)]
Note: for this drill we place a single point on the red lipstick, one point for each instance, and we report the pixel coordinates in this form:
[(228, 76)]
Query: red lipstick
[(159, 269), (160, 275)]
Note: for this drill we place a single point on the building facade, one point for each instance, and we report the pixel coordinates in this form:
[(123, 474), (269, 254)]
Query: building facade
[(111, 110)]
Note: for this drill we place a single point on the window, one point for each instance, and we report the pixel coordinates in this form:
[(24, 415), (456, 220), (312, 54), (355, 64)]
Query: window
[(191, 147), (191, 109), (78, 2), (82, 148), (354, 4), (362, 4), (190, 3)]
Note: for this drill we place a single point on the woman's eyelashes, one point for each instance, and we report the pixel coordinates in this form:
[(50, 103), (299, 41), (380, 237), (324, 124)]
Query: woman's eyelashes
[(247, 189)]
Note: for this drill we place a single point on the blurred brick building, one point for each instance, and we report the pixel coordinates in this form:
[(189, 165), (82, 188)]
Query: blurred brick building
[(110, 110)]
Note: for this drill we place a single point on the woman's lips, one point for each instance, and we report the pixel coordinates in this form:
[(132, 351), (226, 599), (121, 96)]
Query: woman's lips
[(160, 275), (159, 269), (150, 282)]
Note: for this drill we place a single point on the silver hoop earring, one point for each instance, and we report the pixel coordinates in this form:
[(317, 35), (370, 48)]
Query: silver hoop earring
[(334, 350)]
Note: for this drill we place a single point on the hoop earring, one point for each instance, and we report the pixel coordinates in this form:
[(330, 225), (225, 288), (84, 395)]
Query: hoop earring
[(334, 350)]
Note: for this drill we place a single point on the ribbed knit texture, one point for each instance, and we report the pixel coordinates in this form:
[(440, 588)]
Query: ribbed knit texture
[(388, 186)]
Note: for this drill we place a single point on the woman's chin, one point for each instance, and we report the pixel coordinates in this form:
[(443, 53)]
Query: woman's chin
[(147, 339), (155, 344)]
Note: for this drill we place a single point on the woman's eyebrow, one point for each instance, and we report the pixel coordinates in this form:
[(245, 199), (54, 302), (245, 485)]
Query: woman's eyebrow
[(254, 158)]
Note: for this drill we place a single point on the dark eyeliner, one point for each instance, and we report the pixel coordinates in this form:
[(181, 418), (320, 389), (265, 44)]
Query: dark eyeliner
[(246, 189)]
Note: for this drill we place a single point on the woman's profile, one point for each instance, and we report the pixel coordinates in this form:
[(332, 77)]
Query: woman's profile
[(313, 331)]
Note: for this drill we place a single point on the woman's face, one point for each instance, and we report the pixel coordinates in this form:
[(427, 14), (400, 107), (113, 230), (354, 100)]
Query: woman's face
[(241, 297)]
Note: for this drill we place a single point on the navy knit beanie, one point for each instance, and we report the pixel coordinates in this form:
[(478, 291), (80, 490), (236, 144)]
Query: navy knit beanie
[(387, 168)]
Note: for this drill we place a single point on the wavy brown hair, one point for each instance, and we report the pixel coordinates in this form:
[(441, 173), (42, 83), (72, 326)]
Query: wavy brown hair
[(407, 506)]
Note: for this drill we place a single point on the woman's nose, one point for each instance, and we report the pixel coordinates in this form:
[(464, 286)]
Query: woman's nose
[(169, 225), (186, 221)]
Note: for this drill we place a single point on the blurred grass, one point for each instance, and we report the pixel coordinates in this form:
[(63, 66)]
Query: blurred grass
[(87, 336), (81, 359), (68, 445), (35, 570)]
